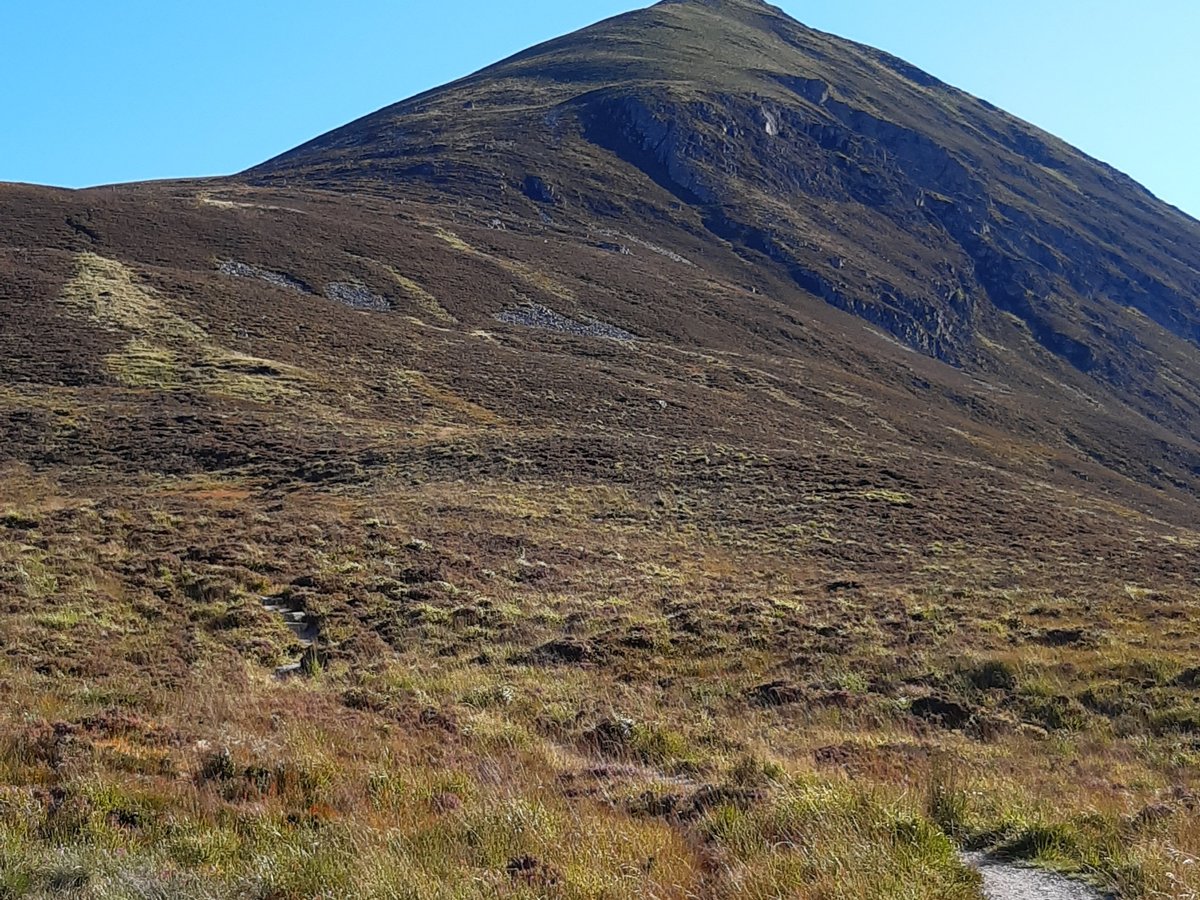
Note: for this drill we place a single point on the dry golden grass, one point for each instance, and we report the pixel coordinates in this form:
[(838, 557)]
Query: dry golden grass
[(453, 763), (594, 620)]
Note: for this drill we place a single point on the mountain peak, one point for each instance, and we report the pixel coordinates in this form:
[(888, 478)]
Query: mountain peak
[(875, 187), (722, 4), (731, 8)]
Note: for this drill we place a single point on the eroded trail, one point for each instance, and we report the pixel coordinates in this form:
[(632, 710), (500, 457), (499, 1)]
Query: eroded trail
[(302, 627), (1005, 881)]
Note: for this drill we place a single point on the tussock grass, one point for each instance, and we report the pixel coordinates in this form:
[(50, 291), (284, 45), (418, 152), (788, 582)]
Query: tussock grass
[(168, 351), (105, 291), (425, 302), (548, 689)]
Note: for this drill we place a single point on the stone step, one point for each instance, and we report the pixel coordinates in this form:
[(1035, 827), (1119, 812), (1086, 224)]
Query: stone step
[(305, 632)]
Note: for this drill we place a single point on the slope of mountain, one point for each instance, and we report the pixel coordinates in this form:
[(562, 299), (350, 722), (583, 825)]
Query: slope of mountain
[(965, 233), (710, 459)]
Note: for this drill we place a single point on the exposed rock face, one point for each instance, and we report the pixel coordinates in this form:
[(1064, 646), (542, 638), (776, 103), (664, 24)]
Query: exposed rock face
[(537, 190)]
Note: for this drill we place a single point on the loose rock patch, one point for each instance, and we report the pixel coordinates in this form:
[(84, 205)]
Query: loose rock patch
[(533, 315), (357, 296), (237, 269)]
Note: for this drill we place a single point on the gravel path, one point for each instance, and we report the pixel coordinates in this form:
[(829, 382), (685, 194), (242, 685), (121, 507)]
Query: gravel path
[(1005, 881)]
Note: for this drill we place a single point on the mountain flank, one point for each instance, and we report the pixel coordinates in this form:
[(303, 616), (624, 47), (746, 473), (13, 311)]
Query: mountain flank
[(872, 185)]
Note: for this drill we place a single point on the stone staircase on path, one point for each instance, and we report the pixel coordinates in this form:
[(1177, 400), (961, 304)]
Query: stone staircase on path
[(305, 630)]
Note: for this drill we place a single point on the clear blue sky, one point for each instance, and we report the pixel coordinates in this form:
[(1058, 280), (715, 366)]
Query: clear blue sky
[(124, 90)]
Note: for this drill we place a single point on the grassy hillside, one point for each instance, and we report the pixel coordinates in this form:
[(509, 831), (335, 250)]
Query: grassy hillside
[(682, 615)]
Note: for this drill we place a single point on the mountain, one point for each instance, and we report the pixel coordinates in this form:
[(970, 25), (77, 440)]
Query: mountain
[(965, 233), (698, 456)]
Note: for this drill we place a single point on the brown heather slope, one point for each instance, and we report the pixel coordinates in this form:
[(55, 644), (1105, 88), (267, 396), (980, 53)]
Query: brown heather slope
[(963, 232), (685, 507)]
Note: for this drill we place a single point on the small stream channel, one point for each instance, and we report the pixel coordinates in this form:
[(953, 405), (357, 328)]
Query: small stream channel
[(1007, 881)]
